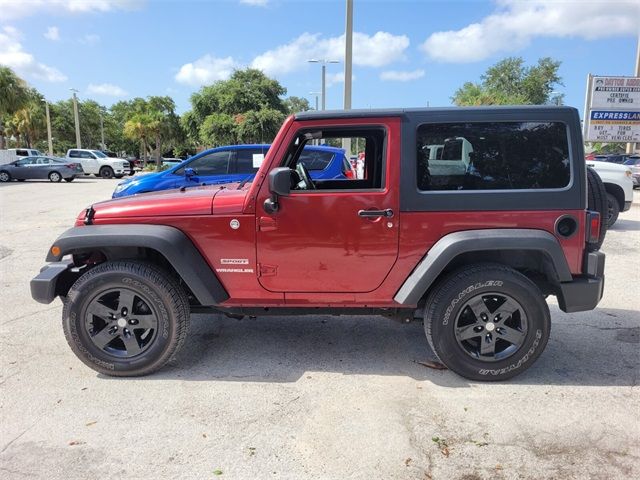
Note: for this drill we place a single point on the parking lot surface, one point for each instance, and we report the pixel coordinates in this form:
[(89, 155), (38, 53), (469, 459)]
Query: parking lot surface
[(311, 397)]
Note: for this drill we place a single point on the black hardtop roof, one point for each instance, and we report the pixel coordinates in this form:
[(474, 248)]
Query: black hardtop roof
[(397, 112)]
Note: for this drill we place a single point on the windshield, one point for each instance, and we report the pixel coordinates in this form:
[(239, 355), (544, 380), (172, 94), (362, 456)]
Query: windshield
[(98, 154)]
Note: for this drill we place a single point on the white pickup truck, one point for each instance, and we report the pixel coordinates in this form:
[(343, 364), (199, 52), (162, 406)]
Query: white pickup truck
[(97, 163), (618, 182)]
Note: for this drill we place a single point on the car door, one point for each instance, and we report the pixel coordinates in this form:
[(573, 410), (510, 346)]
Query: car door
[(22, 168), (211, 168), (341, 237), (248, 161)]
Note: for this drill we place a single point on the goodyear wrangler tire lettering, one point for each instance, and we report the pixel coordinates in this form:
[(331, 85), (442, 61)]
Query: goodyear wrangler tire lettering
[(487, 322)]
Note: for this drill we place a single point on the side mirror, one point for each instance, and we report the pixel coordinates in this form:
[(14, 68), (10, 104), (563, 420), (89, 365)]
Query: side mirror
[(280, 181), (279, 185), (189, 172)]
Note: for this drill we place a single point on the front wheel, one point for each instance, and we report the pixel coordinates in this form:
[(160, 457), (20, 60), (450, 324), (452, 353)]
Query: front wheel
[(5, 177), (106, 172), (487, 322), (125, 318)]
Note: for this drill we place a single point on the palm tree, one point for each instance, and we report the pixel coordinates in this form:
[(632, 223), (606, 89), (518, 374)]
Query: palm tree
[(15, 94), (138, 128)]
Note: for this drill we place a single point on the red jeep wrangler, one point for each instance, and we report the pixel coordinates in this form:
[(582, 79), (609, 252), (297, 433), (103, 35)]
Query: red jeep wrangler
[(466, 218)]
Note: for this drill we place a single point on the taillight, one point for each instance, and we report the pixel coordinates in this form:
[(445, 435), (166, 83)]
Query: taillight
[(71, 165), (593, 227)]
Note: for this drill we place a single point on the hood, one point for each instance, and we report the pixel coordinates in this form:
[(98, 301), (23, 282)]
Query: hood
[(607, 166), (166, 203), (140, 177)]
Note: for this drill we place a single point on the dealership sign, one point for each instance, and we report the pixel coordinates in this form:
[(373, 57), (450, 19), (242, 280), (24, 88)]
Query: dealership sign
[(612, 109)]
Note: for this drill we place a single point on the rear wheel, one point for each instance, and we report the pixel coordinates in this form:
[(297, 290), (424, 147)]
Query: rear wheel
[(597, 202), (70, 179), (55, 177), (125, 318), (5, 176), (487, 322), (106, 172), (613, 210)]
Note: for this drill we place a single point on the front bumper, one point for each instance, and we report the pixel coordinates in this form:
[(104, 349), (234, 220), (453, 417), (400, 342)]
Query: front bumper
[(585, 291), (43, 286)]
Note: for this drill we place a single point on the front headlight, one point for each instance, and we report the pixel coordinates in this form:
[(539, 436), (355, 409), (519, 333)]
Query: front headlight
[(121, 186)]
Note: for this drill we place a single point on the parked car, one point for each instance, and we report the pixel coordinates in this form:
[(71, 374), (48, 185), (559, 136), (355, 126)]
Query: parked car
[(232, 163), (97, 163), (115, 155), (40, 167), (619, 187), (474, 255), (634, 164)]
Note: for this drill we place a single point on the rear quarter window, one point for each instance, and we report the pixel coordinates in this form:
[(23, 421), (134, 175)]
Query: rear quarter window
[(493, 156)]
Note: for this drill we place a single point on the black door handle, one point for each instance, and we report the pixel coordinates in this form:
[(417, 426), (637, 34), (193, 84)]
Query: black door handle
[(375, 213)]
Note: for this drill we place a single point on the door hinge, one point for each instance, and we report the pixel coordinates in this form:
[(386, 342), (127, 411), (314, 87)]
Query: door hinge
[(267, 270)]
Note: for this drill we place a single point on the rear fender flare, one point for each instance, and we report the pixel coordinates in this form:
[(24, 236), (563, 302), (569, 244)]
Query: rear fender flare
[(445, 250)]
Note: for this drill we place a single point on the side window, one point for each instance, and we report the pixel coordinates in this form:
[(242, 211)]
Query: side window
[(492, 156), (22, 153), (322, 155), (245, 159), (23, 162), (216, 163), (73, 154), (87, 155)]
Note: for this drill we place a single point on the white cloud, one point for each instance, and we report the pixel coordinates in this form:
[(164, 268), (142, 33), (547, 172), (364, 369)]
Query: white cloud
[(376, 50), (22, 8), (90, 39), (516, 23), (206, 70), (401, 75), (335, 78), (255, 3), (13, 55), (106, 90), (52, 33)]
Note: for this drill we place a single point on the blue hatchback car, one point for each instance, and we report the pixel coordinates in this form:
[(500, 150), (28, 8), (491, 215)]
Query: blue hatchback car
[(233, 163)]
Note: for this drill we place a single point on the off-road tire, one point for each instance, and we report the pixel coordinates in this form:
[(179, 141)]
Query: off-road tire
[(55, 177), (613, 210), (155, 286), (106, 172), (447, 304), (5, 176), (597, 202)]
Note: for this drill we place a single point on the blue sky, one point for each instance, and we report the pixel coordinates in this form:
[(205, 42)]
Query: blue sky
[(406, 53)]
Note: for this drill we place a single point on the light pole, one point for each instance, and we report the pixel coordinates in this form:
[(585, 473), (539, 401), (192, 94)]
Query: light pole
[(316, 95), (76, 118), (324, 78), (46, 109), (102, 131), (348, 66)]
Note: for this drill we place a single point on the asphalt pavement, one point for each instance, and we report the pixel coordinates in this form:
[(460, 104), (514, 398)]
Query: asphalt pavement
[(313, 397)]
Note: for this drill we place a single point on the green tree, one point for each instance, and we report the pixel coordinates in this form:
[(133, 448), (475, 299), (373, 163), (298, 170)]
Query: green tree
[(296, 104), (510, 82), (246, 108), (14, 95), (138, 128)]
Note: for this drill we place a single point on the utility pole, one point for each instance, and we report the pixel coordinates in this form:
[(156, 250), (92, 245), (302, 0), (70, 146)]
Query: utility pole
[(102, 131), (637, 74), (324, 78), (348, 66), (76, 118), (316, 95), (46, 109)]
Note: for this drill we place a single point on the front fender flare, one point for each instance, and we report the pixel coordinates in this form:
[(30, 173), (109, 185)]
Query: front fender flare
[(454, 244), (172, 243)]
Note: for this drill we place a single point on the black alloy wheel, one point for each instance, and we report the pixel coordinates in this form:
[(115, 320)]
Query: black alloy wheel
[(491, 326), (121, 322)]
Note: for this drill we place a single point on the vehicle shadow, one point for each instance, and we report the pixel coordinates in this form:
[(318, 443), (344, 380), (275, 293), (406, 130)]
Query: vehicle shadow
[(598, 348), (626, 225)]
